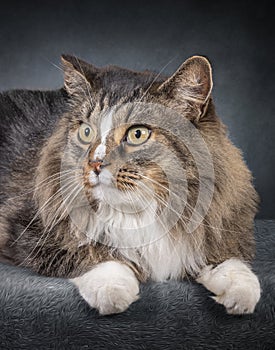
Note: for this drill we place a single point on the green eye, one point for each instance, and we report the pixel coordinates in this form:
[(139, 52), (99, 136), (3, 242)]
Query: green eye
[(137, 135), (85, 133)]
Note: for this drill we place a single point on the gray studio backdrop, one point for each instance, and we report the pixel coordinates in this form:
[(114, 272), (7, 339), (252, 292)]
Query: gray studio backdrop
[(237, 37)]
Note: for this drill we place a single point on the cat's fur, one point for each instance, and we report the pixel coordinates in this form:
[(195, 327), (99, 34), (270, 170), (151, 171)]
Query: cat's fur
[(38, 128)]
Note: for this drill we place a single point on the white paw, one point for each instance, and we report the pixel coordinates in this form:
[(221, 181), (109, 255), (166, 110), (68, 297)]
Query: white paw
[(235, 285), (109, 287)]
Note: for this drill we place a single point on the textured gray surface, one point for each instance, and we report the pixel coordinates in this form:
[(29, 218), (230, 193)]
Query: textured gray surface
[(47, 313), (237, 36)]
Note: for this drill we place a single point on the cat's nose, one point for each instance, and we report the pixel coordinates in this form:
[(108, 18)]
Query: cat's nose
[(96, 165)]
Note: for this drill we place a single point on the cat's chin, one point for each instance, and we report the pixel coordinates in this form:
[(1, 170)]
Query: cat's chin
[(129, 202)]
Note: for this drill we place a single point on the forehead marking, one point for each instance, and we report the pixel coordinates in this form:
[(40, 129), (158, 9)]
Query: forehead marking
[(105, 128)]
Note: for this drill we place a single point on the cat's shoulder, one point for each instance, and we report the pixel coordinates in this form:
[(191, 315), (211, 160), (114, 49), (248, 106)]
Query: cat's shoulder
[(27, 100), (24, 113)]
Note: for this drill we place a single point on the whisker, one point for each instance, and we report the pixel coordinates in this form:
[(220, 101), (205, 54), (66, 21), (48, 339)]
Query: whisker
[(166, 231), (41, 184), (48, 231), (156, 77), (189, 206), (46, 204), (173, 193), (180, 218), (53, 64), (64, 203)]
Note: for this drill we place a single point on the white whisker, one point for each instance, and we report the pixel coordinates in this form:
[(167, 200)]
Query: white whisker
[(189, 206), (48, 230), (41, 209), (156, 77)]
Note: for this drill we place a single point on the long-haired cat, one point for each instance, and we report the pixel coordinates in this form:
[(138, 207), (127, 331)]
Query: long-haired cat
[(121, 177)]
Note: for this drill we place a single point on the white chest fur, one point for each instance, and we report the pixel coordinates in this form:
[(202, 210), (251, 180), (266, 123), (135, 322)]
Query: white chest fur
[(138, 233), (143, 240)]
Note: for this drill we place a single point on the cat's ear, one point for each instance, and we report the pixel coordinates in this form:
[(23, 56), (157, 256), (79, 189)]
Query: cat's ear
[(76, 76), (191, 84)]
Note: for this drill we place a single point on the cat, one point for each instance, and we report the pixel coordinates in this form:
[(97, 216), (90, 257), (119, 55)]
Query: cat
[(120, 177)]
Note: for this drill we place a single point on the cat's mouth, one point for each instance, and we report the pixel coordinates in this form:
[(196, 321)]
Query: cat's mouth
[(124, 190), (100, 173), (124, 181)]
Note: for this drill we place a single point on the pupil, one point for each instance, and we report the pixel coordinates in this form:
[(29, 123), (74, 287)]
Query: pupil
[(137, 134), (87, 132)]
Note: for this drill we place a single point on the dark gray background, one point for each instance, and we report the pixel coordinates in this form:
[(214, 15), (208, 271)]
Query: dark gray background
[(237, 37)]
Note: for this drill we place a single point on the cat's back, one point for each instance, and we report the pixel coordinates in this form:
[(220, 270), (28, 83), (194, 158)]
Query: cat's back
[(24, 112), (27, 118)]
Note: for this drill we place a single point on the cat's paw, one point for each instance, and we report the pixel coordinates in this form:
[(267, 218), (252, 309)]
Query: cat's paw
[(235, 285), (110, 287)]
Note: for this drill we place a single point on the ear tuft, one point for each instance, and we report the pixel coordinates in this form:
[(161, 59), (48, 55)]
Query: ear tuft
[(75, 71), (192, 82)]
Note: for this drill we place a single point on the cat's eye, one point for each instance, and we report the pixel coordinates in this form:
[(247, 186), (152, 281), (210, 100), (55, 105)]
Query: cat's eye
[(137, 135), (85, 133)]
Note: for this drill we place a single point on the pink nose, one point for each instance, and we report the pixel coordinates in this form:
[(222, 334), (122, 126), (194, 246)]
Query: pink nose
[(96, 165)]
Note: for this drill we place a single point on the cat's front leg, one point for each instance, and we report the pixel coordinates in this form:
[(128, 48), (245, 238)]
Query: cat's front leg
[(110, 287), (235, 285)]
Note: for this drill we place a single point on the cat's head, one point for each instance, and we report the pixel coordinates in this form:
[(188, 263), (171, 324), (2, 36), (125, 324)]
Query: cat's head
[(134, 139)]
